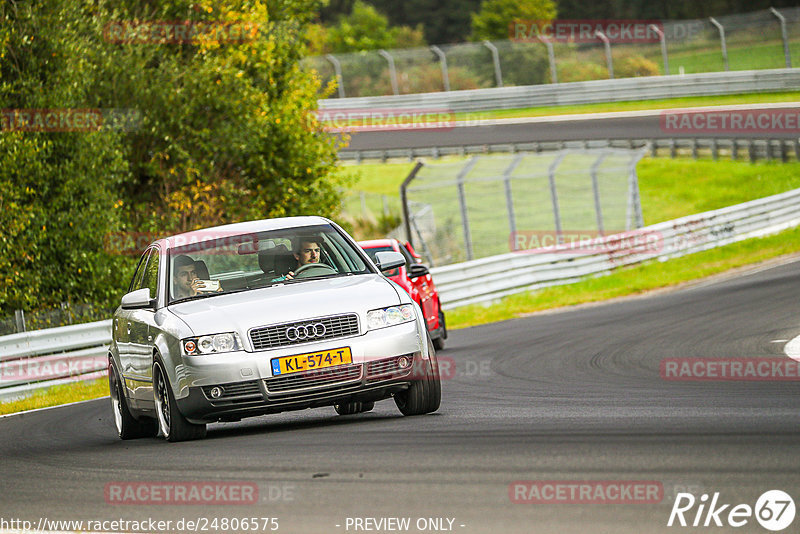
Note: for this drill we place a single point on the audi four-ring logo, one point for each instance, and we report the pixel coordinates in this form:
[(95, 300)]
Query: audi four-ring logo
[(306, 331)]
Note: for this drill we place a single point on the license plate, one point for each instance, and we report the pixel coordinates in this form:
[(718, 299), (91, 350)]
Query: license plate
[(311, 360)]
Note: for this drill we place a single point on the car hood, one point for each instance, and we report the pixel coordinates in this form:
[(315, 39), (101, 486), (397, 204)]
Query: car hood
[(291, 302)]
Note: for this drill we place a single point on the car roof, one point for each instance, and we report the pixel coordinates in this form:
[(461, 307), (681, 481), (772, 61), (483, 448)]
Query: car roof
[(372, 243), (204, 234)]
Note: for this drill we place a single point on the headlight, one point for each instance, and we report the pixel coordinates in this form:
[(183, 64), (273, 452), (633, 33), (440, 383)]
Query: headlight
[(213, 344), (390, 316)]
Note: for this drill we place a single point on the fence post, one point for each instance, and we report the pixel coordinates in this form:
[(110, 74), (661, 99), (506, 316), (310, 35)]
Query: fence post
[(498, 74), (337, 68), (443, 61), (404, 200), (785, 38), (551, 175), (722, 40), (596, 190), (600, 35), (551, 57), (19, 318), (512, 221), (634, 201), (462, 202), (392, 71), (663, 46)]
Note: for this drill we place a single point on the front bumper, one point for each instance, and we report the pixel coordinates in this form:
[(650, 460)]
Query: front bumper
[(358, 382), (248, 387)]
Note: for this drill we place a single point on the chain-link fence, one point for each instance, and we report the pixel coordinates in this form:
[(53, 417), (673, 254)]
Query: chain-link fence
[(759, 40), (457, 211)]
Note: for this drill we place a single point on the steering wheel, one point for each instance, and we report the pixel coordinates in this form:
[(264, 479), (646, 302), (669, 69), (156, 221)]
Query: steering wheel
[(314, 269)]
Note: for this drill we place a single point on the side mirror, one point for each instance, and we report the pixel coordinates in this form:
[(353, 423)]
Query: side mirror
[(417, 270), (138, 300), (387, 261)]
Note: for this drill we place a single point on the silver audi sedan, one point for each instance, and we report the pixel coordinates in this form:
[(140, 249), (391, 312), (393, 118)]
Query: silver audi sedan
[(262, 317)]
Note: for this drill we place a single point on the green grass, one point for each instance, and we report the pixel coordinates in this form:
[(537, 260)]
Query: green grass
[(630, 281), (669, 188), (57, 395), (639, 105)]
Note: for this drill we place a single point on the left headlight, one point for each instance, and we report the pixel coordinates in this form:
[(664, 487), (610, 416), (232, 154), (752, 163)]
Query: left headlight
[(390, 316), (213, 344)]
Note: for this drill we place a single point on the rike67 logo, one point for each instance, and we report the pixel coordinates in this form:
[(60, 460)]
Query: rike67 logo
[(774, 510)]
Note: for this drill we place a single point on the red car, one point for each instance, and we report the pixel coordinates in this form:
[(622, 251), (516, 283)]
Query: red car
[(417, 281)]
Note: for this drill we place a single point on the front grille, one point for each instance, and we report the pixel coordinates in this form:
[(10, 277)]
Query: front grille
[(388, 367), (314, 379), (235, 391), (274, 336)]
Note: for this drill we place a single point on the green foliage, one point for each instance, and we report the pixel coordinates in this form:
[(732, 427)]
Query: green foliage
[(495, 16), (227, 133), (363, 29)]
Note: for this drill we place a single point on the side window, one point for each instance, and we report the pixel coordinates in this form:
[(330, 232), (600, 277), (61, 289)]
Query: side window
[(139, 273), (150, 279)]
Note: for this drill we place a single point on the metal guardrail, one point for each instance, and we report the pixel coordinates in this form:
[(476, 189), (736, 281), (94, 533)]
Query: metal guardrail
[(752, 149), (38, 359), (597, 91), (491, 278), (42, 358)]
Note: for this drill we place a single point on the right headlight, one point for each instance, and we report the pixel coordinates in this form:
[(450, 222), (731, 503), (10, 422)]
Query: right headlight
[(390, 316)]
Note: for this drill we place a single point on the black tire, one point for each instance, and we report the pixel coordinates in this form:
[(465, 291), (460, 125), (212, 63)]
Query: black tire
[(128, 427), (171, 422), (424, 395), (438, 343), (353, 407)]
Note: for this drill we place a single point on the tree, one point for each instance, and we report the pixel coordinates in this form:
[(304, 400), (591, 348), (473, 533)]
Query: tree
[(227, 132), (496, 16), (366, 29)]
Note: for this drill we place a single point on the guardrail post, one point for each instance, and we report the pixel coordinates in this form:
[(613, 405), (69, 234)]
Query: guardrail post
[(714, 150), (443, 61), (551, 175), (722, 40), (404, 200), (512, 221), (462, 203), (797, 149), (392, 71), (663, 46), (337, 68), (19, 319), (785, 38), (551, 57), (752, 149), (607, 44), (735, 150), (498, 74)]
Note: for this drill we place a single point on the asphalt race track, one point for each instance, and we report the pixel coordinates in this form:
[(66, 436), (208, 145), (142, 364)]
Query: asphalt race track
[(544, 129), (568, 396)]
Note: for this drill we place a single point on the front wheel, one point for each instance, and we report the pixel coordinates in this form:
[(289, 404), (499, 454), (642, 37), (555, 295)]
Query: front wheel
[(424, 395), (127, 426), (171, 422)]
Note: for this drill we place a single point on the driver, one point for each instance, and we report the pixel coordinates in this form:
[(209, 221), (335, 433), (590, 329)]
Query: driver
[(306, 249)]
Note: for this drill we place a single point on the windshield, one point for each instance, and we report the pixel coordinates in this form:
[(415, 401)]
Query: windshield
[(212, 265)]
